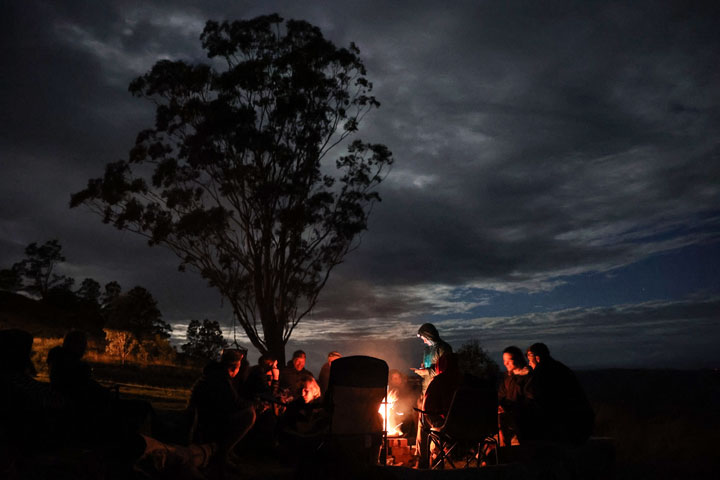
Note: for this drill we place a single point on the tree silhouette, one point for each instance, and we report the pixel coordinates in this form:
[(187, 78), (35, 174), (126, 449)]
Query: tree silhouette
[(37, 270), (136, 312), (112, 292), (89, 292), (241, 188), (204, 340), (473, 359)]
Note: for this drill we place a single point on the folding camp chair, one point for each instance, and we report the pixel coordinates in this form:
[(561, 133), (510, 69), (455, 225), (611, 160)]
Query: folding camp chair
[(471, 420), (356, 389)]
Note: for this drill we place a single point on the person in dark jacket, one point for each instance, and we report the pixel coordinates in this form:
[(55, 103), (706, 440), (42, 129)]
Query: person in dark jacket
[(437, 400), (324, 377), (72, 376), (263, 379), (512, 404), (561, 411), (294, 376), (261, 388), (435, 348), (30, 411), (223, 416)]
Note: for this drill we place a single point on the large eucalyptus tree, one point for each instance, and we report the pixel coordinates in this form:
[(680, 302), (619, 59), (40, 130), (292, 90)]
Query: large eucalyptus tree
[(236, 176)]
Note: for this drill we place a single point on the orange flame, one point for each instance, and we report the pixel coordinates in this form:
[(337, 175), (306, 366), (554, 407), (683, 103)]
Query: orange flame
[(392, 428)]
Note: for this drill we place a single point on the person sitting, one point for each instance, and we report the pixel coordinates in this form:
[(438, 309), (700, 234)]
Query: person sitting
[(223, 417), (263, 379), (68, 372), (29, 410), (294, 376), (261, 388), (324, 377), (72, 376), (302, 413), (562, 412), (511, 396), (302, 424), (437, 400)]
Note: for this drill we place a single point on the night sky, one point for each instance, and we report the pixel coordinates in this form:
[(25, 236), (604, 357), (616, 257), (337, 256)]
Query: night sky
[(556, 177)]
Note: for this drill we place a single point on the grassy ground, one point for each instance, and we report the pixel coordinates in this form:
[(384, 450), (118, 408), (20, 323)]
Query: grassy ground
[(666, 423)]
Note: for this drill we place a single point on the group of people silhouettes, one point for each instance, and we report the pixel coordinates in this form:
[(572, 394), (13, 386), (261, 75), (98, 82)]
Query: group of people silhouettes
[(539, 400), (265, 407), (76, 418)]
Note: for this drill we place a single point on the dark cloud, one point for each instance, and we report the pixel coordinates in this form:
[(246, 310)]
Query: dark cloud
[(534, 141)]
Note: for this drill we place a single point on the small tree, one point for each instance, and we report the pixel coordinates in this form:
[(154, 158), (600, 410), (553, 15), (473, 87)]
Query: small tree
[(204, 341), (136, 312), (241, 189), (112, 292), (473, 359), (89, 292), (38, 269), (120, 343), (158, 350)]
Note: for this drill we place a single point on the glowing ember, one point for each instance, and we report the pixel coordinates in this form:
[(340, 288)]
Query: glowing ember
[(394, 419)]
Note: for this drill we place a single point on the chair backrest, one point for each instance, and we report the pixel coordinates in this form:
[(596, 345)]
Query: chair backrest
[(356, 388), (472, 414)]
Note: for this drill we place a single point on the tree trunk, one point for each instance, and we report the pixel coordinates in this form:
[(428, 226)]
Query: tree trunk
[(276, 346)]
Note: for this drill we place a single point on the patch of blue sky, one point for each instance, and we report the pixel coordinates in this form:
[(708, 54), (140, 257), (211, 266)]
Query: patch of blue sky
[(673, 275)]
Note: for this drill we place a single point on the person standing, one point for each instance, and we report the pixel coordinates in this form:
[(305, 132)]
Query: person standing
[(435, 348)]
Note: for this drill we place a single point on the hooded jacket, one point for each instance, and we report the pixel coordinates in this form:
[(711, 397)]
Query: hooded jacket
[(432, 352)]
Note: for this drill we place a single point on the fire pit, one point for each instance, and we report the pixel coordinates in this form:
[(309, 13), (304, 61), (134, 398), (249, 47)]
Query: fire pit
[(396, 450)]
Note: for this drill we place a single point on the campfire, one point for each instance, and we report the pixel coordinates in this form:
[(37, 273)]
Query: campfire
[(391, 422), (396, 451)]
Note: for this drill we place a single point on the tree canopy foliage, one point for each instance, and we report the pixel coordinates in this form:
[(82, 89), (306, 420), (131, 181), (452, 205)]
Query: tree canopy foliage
[(37, 274), (473, 359), (89, 292), (136, 312), (235, 177), (204, 340)]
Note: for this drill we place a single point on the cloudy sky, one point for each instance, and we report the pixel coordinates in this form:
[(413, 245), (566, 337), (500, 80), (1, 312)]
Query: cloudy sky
[(556, 178)]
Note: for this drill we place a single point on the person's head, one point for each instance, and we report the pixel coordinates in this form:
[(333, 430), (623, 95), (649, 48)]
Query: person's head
[(332, 356), (537, 353), (267, 362), (513, 358), (75, 343), (428, 333), (16, 351), (311, 390), (298, 360), (231, 359), (395, 378)]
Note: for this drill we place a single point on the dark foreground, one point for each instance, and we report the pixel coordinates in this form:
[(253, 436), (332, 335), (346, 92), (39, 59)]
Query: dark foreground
[(658, 424), (663, 424)]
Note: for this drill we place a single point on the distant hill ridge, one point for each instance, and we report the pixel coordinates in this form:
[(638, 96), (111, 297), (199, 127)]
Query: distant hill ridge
[(44, 319)]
